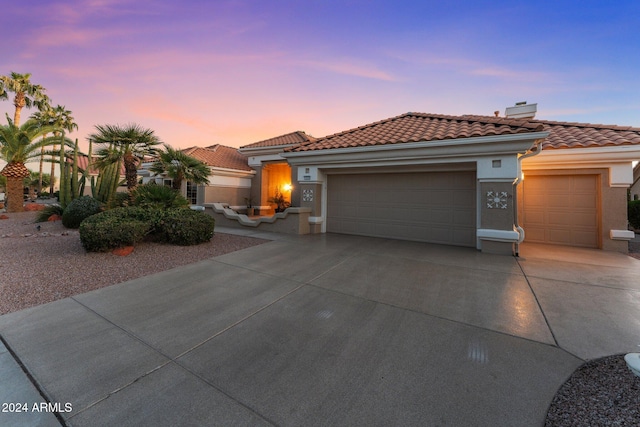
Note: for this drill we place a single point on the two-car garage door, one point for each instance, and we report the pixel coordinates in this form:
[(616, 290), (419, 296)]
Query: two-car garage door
[(436, 207)]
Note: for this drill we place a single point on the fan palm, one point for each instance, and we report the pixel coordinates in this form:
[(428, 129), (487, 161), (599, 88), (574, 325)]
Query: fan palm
[(35, 181), (128, 144), (17, 147), (179, 167), (27, 93)]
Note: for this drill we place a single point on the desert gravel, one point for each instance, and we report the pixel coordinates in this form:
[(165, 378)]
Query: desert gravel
[(602, 392), (40, 266)]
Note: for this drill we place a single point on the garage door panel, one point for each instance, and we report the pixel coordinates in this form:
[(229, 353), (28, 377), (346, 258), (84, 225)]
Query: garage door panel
[(561, 209), (432, 207), (583, 184), (463, 218), (584, 201)]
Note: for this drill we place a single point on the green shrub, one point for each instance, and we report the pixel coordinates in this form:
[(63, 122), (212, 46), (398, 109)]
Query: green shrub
[(633, 212), (79, 209), (158, 196), (120, 200), (114, 228), (44, 214), (130, 225), (185, 227)]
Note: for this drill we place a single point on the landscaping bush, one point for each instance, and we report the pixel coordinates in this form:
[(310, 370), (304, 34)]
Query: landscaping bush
[(185, 227), (633, 213), (44, 214), (79, 209), (114, 228), (158, 197), (120, 200), (130, 225)]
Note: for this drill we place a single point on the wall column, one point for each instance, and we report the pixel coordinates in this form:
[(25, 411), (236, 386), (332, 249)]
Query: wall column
[(496, 214), (310, 182)]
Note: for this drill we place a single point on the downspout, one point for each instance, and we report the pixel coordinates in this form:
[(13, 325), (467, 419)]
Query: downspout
[(533, 151)]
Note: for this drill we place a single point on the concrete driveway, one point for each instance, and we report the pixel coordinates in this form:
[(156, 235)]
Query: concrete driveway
[(326, 330)]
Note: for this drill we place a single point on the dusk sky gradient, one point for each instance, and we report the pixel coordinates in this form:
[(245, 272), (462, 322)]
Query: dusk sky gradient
[(203, 72)]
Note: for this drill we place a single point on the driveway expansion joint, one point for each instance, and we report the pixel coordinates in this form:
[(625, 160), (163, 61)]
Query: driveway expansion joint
[(32, 380)]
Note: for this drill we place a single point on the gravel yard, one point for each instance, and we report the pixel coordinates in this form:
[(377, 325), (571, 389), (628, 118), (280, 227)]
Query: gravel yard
[(40, 266)]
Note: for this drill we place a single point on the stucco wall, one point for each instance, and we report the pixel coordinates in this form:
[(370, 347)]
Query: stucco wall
[(232, 196), (495, 217)]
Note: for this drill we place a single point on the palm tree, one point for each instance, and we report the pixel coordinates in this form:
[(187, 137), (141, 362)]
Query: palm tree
[(179, 167), (17, 147), (43, 117), (35, 181), (128, 144), (61, 120), (27, 94)]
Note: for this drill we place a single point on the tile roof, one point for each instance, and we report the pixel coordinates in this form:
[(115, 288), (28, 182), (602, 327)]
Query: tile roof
[(293, 138), (414, 127), (219, 156), (584, 135), (83, 162)]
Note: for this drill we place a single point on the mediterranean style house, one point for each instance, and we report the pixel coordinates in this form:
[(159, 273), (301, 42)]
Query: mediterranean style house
[(486, 182)]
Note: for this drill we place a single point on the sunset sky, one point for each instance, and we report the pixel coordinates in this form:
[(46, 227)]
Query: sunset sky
[(203, 72)]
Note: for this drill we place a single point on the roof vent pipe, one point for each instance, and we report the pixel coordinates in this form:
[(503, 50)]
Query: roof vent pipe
[(521, 110)]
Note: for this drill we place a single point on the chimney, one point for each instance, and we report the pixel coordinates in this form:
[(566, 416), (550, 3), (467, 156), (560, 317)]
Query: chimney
[(521, 110)]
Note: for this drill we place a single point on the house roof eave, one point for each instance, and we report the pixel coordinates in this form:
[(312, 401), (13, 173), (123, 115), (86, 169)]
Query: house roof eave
[(460, 149)]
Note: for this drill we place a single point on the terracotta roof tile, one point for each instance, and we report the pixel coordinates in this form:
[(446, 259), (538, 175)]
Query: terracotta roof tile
[(293, 138), (585, 135), (219, 156), (83, 162), (414, 127)]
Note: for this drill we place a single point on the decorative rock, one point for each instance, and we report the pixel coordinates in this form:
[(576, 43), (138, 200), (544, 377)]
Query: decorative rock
[(54, 217), (4, 217), (633, 362), (33, 207), (123, 251)]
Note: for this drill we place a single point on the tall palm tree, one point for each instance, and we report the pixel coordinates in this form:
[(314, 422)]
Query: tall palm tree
[(61, 120), (27, 93), (179, 167), (43, 117), (129, 143), (18, 145)]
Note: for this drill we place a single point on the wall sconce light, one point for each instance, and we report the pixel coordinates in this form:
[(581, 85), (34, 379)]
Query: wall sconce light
[(287, 187)]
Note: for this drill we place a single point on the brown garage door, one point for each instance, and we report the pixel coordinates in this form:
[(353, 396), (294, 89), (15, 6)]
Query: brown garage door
[(437, 207), (561, 209)]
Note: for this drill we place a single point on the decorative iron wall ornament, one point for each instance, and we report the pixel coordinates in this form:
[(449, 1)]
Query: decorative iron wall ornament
[(497, 199), (307, 195)]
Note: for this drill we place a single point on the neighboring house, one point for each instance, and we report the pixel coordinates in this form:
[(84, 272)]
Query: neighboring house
[(229, 181), (83, 163), (479, 181), (273, 173)]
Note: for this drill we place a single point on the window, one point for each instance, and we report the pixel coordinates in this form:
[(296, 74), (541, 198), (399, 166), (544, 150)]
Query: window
[(192, 193), (167, 182)]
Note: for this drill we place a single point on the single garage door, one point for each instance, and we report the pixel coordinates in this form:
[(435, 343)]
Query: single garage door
[(561, 209), (436, 207)]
